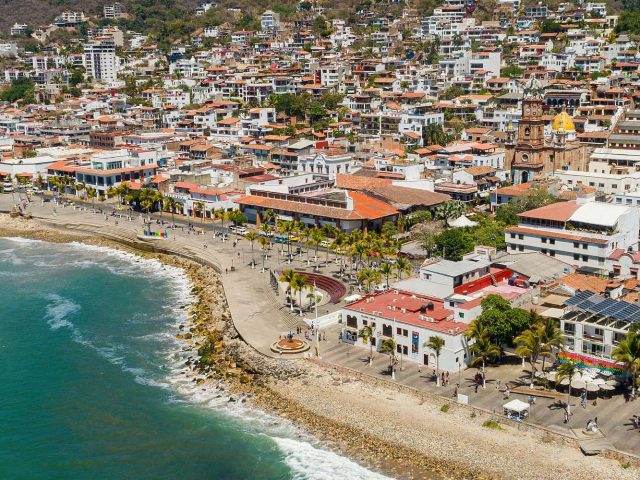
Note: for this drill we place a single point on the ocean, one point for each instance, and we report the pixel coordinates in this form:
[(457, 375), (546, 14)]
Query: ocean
[(92, 380)]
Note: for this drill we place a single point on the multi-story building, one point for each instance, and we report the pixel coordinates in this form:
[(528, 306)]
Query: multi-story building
[(410, 320), (112, 12), (593, 327), (100, 60), (583, 233), (269, 20)]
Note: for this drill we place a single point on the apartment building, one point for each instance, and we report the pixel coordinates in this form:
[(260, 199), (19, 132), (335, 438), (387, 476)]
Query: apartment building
[(101, 61), (594, 325), (583, 233)]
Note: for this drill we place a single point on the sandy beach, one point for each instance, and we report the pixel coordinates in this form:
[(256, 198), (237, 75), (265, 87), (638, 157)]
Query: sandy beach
[(386, 427)]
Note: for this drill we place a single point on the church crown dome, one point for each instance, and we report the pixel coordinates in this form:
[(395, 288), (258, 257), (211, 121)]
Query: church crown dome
[(563, 121)]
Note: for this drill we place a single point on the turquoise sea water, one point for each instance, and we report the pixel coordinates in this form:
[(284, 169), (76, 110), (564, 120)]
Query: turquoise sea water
[(91, 382)]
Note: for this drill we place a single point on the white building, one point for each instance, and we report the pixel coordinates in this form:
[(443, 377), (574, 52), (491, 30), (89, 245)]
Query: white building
[(583, 233), (410, 320), (101, 61), (608, 183), (18, 29), (112, 11), (269, 20), (326, 163), (593, 326)]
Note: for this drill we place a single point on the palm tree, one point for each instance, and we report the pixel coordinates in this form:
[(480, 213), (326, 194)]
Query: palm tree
[(287, 277), (220, 214), (316, 238), (251, 236), (111, 192), (552, 337), (357, 251), (366, 333), (369, 276), (436, 344), (529, 344), (198, 208), (567, 370), (628, 352), (171, 204), (386, 269), (389, 347), (403, 266), (92, 193), (158, 198), (298, 284), (483, 350)]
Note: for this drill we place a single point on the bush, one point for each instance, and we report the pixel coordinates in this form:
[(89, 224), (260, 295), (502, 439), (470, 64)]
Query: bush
[(444, 408), (492, 424)]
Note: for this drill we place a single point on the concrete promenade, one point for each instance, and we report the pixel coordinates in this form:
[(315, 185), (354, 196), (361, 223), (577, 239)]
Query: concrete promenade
[(258, 314), (261, 317)]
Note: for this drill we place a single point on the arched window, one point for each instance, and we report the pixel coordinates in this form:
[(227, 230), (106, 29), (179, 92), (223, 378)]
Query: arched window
[(527, 131)]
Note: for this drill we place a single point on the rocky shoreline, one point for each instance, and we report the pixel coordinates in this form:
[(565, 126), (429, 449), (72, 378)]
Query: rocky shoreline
[(386, 429)]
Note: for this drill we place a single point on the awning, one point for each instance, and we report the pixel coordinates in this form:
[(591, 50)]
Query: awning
[(516, 406)]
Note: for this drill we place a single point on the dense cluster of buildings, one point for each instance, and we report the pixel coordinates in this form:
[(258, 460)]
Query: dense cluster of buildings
[(387, 115)]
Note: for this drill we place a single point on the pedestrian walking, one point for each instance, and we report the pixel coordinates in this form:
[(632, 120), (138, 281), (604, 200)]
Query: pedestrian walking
[(476, 386), (455, 391), (566, 417), (498, 384)]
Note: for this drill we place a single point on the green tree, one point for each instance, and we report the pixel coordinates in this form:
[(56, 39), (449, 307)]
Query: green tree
[(367, 333), (551, 334), (388, 347), (483, 349), (454, 243), (567, 370), (403, 265), (22, 89), (531, 346), (628, 353)]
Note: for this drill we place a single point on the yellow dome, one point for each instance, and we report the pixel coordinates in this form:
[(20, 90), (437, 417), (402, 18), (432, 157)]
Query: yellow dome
[(563, 120)]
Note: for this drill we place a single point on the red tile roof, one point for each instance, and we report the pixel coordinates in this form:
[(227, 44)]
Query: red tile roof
[(559, 212)]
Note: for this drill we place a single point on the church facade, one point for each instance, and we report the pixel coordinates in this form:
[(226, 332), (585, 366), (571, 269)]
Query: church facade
[(529, 155)]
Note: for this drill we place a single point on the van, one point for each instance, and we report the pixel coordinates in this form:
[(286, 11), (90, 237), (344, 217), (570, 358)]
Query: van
[(239, 230)]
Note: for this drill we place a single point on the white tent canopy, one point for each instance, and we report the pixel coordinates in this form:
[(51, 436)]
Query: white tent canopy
[(462, 221), (517, 406)]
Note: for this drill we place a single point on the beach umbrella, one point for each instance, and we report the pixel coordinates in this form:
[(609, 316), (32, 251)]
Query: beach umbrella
[(551, 376), (578, 384), (592, 387), (539, 374), (598, 381), (606, 387), (613, 383)]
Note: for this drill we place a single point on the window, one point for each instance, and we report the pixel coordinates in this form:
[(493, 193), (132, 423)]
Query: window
[(576, 245), (512, 246), (543, 251), (592, 184), (387, 330), (615, 185), (398, 331), (405, 332), (352, 321), (569, 328), (552, 253), (601, 185), (520, 236), (585, 258), (461, 314), (552, 241), (513, 235), (585, 246), (521, 248), (576, 256), (544, 240)]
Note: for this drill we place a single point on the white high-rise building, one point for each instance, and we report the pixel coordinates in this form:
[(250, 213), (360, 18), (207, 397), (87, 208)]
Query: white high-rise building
[(101, 61)]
